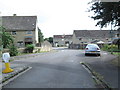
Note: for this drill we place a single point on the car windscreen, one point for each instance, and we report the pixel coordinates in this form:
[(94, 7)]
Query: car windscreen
[(92, 45)]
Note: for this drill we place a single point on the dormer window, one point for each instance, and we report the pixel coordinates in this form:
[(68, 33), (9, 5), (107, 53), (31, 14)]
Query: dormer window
[(13, 32)]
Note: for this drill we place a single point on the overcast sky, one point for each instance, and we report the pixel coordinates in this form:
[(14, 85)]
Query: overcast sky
[(55, 17)]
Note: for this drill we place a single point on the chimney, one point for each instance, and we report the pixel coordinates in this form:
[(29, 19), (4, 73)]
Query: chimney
[(14, 14)]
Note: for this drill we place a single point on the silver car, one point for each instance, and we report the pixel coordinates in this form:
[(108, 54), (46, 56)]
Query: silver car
[(92, 49)]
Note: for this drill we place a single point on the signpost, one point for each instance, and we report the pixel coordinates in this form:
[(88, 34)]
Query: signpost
[(6, 58)]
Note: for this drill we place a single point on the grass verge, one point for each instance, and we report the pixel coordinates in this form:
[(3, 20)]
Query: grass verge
[(100, 82)]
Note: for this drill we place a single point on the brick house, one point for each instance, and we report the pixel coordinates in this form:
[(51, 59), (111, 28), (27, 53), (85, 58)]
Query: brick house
[(62, 40), (23, 29)]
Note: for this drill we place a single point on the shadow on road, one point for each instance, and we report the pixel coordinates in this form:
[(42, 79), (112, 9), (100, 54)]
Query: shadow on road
[(83, 55)]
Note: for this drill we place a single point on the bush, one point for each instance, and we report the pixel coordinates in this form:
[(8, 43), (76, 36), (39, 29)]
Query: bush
[(29, 48), (13, 50), (110, 47)]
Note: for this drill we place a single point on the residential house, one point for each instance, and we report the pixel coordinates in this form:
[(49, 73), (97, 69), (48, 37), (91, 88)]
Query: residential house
[(91, 36), (62, 40), (116, 40), (22, 28)]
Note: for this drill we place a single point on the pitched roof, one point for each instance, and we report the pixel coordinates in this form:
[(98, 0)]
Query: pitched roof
[(62, 36), (93, 33), (68, 36), (19, 22), (116, 41)]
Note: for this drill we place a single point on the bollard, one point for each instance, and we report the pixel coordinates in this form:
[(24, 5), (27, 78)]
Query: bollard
[(6, 58)]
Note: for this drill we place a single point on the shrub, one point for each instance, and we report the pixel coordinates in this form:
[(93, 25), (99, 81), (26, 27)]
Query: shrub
[(29, 48), (110, 47), (13, 50)]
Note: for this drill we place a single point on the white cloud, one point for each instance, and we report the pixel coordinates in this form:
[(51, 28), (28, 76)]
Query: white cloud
[(54, 16)]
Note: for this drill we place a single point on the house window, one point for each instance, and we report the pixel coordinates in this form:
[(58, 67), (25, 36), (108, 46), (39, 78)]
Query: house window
[(20, 43), (66, 42), (80, 38), (118, 35), (28, 39), (56, 44), (13, 32), (28, 36), (106, 38), (29, 32)]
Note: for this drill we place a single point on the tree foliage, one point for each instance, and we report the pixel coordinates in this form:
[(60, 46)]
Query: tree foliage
[(50, 39), (13, 50), (106, 13), (7, 39), (0, 39), (40, 36), (29, 48)]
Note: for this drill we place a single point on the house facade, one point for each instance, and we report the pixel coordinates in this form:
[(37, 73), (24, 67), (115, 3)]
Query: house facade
[(62, 40), (90, 36), (83, 37), (23, 29)]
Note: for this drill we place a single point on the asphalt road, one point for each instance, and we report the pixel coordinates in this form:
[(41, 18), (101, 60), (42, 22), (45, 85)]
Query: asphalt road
[(61, 69)]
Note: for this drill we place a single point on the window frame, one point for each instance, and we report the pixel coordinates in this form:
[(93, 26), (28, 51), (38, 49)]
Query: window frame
[(29, 32), (13, 32)]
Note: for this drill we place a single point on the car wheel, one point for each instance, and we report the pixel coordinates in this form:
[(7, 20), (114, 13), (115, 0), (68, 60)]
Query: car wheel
[(85, 54), (98, 54)]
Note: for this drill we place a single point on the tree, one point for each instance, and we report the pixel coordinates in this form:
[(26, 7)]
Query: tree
[(13, 50), (7, 39), (40, 36), (106, 13), (46, 39), (50, 39)]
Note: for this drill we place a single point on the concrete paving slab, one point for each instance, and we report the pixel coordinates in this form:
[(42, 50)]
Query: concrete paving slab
[(6, 78)]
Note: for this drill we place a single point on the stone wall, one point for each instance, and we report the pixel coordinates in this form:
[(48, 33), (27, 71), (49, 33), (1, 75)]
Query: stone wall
[(46, 46)]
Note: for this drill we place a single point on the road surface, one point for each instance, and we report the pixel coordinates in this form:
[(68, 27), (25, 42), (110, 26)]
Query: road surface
[(61, 69)]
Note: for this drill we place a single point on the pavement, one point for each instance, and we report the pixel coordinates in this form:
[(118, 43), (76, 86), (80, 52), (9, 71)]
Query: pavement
[(106, 70), (8, 77), (103, 67), (5, 78)]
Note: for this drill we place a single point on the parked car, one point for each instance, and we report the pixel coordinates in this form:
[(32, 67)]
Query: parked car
[(92, 49)]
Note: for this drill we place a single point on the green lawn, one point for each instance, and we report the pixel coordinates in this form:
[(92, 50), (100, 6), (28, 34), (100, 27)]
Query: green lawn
[(116, 53)]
